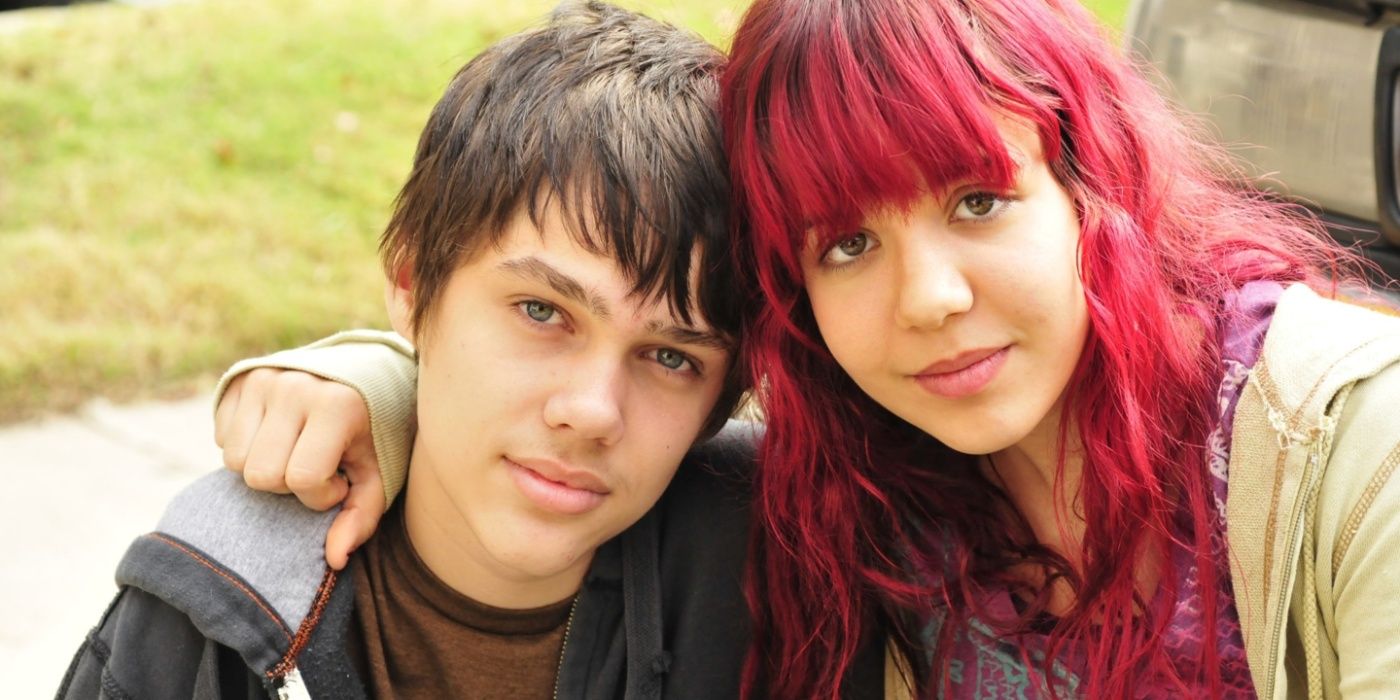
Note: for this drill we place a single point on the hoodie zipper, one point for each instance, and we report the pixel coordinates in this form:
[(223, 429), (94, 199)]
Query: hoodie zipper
[(568, 626)]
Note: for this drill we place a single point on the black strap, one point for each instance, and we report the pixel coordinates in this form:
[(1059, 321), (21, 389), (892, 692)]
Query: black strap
[(647, 662)]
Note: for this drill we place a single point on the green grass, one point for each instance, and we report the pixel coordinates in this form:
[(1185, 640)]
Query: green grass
[(1112, 12), (184, 186)]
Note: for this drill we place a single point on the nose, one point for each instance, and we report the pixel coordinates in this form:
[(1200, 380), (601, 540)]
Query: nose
[(932, 286), (589, 403)]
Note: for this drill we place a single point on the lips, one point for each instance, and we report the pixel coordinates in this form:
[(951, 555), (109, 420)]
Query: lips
[(964, 374), (556, 488)]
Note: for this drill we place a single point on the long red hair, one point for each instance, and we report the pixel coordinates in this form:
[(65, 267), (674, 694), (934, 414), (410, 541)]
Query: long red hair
[(826, 105)]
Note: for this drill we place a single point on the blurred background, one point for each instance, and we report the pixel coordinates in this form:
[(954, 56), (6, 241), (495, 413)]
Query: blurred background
[(183, 184)]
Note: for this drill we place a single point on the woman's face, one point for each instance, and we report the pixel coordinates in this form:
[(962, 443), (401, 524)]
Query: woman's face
[(964, 316)]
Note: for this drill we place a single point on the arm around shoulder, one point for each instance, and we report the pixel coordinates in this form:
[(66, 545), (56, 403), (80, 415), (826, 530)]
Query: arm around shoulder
[(381, 366)]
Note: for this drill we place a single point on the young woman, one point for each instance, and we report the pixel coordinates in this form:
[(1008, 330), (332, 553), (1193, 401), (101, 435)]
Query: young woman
[(1011, 369), (1054, 400)]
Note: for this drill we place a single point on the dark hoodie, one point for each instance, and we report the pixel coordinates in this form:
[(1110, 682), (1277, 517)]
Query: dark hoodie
[(231, 598)]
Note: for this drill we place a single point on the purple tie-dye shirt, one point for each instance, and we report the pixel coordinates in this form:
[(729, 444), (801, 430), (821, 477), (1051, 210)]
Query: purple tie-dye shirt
[(985, 664)]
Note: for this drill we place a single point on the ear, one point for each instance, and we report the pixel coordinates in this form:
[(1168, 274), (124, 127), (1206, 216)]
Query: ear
[(398, 299)]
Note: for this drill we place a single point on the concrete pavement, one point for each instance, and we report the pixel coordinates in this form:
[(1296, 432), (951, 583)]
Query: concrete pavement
[(77, 489)]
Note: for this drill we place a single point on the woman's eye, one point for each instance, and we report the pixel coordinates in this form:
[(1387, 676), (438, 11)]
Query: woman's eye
[(849, 249), (979, 205), (673, 360), (539, 311)]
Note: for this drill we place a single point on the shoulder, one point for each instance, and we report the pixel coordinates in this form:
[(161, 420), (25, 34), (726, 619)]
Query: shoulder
[(714, 481), (703, 528), (716, 473), (730, 454), (1316, 346), (709, 497), (247, 568), (246, 530), (146, 648), (1330, 373)]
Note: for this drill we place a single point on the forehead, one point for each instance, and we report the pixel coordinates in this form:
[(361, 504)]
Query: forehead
[(555, 252), (1017, 139)]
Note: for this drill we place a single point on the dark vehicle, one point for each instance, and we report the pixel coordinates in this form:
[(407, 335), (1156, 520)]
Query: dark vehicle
[(1304, 91), (21, 4)]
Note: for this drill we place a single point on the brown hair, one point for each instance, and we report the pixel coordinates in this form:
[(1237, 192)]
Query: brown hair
[(609, 115)]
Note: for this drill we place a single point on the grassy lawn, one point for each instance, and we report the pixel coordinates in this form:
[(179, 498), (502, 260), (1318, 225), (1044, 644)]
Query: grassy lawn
[(184, 186), (1113, 12)]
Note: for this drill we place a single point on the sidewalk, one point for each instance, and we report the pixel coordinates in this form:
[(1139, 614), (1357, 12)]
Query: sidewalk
[(78, 490)]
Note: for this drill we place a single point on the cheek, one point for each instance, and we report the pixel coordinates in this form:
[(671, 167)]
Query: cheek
[(1042, 276), (663, 423), (650, 484), (1065, 294), (849, 326), (468, 390)]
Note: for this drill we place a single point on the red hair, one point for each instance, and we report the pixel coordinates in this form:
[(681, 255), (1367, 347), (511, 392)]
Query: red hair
[(826, 105)]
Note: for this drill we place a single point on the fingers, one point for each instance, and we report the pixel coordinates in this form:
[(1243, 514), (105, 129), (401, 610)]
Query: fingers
[(259, 422), (278, 434), (288, 431), (313, 469), (228, 405), (334, 437), (364, 504), (351, 528), (242, 422)]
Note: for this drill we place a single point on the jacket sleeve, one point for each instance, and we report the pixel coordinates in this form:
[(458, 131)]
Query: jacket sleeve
[(382, 367), (146, 649), (1358, 557)]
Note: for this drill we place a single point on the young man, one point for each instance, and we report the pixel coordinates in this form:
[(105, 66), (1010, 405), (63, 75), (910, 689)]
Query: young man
[(558, 259)]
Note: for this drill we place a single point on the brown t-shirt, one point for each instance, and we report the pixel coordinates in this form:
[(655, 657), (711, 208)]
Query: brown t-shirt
[(415, 637)]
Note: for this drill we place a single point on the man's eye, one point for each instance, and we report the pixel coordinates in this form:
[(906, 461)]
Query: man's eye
[(673, 360), (538, 311), (849, 249)]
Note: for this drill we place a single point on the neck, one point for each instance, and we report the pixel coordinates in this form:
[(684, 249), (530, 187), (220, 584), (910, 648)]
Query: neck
[(1044, 491), (448, 543)]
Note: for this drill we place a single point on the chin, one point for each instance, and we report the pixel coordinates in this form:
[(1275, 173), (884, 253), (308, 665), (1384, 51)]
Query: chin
[(973, 440), (539, 556), (977, 447)]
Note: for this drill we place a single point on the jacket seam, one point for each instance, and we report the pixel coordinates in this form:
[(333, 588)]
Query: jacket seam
[(99, 648), (308, 625), (1363, 506), (111, 687), (1271, 525), (1273, 402), (281, 626), (1270, 394)]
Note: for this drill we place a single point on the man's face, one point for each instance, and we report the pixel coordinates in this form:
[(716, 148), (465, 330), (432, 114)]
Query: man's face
[(553, 408)]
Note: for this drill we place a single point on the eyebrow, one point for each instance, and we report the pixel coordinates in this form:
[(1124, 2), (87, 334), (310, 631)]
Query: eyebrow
[(532, 268), (681, 335)]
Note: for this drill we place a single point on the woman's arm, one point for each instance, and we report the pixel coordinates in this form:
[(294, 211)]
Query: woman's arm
[(330, 422)]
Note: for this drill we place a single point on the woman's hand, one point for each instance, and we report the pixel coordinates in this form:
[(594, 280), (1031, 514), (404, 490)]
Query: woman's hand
[(291, 432)]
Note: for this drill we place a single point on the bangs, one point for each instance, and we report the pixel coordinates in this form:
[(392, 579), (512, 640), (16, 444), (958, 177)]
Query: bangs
[(859, 106), (649, 218), (602, 113)]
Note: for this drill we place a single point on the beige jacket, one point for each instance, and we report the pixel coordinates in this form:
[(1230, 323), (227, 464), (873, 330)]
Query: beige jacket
[(1314, 515)]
